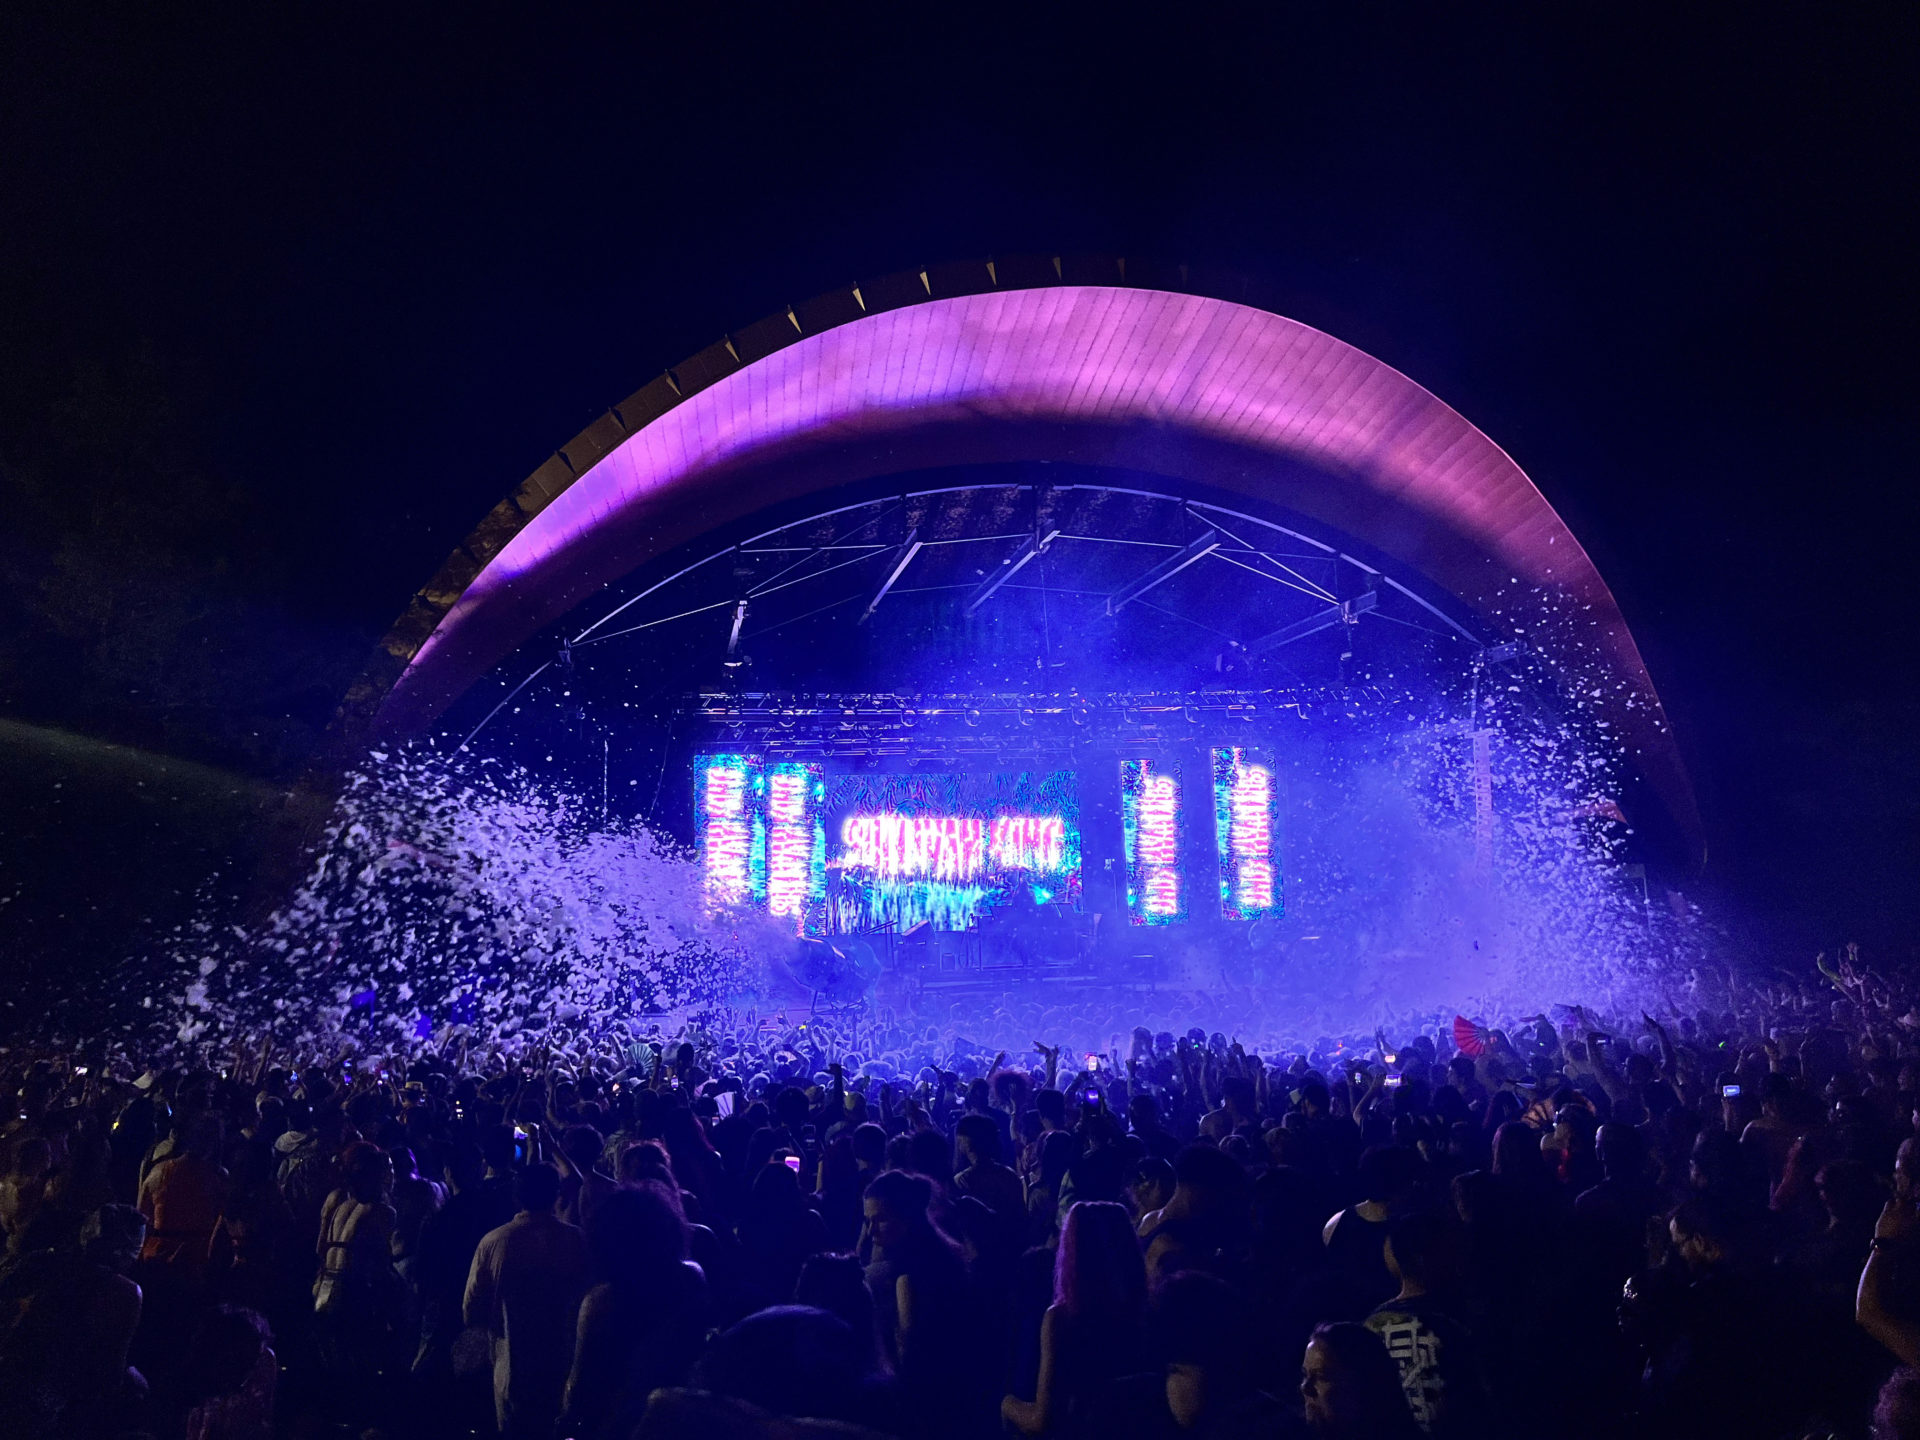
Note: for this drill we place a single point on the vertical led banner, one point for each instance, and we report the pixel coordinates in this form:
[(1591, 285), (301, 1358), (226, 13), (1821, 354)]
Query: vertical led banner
[(1150, 816), (796, 842), (726, 828), (1246, 815)]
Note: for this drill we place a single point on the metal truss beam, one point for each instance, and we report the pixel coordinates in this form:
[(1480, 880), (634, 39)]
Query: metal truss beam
[(1034, 545), (902, 559), (1163, 572), (1347, 612)]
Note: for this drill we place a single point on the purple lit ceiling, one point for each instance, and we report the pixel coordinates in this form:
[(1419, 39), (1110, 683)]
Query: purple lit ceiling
[(1196, 389)]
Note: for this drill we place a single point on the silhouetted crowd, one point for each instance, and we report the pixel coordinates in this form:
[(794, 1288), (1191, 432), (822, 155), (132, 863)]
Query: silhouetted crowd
[(1574, 1225)]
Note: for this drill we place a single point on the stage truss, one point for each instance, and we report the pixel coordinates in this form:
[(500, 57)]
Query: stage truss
[(993, 586)]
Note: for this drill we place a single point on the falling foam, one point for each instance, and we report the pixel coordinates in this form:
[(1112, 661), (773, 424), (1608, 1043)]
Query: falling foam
[(472, 898)]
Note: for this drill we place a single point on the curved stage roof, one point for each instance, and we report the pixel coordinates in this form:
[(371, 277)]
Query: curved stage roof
[(896, 375)]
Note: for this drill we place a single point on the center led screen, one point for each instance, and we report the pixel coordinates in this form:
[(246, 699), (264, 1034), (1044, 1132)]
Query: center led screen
[(838, 853), (902, 849)]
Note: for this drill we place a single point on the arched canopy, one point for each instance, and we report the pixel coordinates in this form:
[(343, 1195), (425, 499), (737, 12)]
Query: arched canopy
[(1198, 389)]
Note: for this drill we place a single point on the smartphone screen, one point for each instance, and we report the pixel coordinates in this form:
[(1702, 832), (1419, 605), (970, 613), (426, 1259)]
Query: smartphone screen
[(793, 1163), (725, 1101)]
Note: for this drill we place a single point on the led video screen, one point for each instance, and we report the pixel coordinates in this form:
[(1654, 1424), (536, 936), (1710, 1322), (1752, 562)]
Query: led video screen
[(836, 853), (948, 849)]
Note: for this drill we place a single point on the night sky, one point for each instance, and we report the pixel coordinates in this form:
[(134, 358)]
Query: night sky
[(291, 295)]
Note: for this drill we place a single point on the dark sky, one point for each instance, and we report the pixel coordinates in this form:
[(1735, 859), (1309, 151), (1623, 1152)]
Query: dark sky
[(291, 295)]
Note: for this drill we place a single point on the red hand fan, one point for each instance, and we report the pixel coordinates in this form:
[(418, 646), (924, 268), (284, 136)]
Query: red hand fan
[(1471, 1038)]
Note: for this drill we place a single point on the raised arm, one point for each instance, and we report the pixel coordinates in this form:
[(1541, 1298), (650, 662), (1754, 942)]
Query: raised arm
[(1052, 1054), (1612, 1082), (1669, 1065)]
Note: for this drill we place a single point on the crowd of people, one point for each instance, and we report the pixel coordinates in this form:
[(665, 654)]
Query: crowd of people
[(1571, 1224)]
